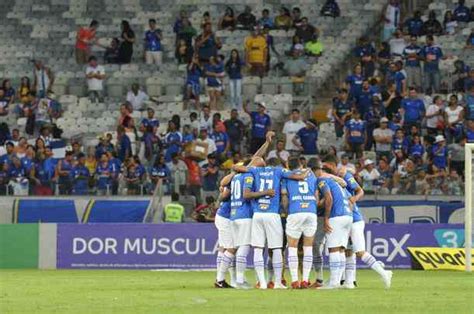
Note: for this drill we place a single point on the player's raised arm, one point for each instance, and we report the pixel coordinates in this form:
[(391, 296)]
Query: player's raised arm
[(226, 180), (224, 195), (262, 151), (339, 180)]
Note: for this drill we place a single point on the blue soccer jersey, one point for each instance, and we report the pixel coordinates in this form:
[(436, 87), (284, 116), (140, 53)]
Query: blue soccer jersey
[(340, 197), (240, 207), (302, 195), (267, 178), (224, 209), (352, 187)]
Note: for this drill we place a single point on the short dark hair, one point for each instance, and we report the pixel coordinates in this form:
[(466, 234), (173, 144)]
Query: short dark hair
[(94, 23), (92, 58), (314, 164), (295, 110), (210, 199), (330, 159), (193, 114), (273, 162), (174, 197), (152, 21), (293, 163)]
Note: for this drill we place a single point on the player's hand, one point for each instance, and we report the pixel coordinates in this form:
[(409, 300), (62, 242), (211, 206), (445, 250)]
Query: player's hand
[(270, 193), (269, 136), (327, 226)]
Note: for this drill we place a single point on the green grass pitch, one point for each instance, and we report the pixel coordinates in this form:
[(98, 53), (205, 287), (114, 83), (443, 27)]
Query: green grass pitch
[(106, 291)]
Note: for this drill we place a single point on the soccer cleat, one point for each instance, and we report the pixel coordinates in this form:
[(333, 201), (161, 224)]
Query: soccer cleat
[(243, 286), (222, 285), (295, 285), (283, 281), (317, 284), (305, 285), (387, 279), (348, 286), (279, 286), (328, 287), (270, 285), (257, 285)]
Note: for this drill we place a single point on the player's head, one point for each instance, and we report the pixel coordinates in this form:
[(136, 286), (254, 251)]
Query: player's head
[(257, 162), (314, 164), (294, 163), (330, 163), (273, 162)]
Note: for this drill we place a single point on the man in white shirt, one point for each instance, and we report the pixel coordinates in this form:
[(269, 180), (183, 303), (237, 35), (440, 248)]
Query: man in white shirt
[(435, 115), (391, 19), (290, 129), (383, 137), (368, 175), (95, 75), (205, 119), (347, 164), (136, 97), (397, 44), (203, 138), (279, 152)]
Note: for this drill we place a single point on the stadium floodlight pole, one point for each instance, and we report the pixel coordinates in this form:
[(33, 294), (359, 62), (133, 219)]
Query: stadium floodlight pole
[(469, 148)]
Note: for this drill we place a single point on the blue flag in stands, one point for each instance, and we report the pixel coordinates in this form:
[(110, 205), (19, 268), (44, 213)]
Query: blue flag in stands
[(34, 211), (115, 211)]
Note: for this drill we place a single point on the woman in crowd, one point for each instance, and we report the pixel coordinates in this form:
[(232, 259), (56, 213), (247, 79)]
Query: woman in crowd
[(214, 72), (228, 21), (126, 46), (233, 68)]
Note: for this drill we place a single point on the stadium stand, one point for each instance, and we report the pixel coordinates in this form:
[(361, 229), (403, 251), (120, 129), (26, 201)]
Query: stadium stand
[(46, 31)]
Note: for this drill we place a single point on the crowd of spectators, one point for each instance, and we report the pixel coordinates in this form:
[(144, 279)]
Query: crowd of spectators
[(398, 134)]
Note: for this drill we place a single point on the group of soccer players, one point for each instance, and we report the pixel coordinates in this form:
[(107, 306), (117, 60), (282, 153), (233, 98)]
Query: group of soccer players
[(321, 203)]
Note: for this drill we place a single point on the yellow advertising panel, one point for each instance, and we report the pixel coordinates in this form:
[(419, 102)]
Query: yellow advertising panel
[(439, 258)]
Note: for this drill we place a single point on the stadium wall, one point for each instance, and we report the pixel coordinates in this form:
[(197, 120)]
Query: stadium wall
[(178, 246)]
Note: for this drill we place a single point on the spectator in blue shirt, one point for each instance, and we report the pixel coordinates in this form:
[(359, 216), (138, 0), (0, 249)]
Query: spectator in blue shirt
[(341, 111), (416, 149), (413, 110), (153, 50), (439, 153), (354, 82), (222, 142), (160, 172), (261, 124), (214, 71), (366, 52), (233, 68), (210, 174), (80, 176), (307, 137), (431, 54), (265, 20), (124, 145), (103, 173), (411, 54), (414, 25), (173, 141), (193, 86), (400, 142), (396, 76), (330, 8), (355, 135), (462, 13), (364, 100)]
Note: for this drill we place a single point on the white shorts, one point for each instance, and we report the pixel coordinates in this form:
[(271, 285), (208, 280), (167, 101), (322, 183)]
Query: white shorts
[(357, 236), (241, 231), (224, 232), (267, 226), (214, 88), (341, 227), (301, 223), (153, 57)]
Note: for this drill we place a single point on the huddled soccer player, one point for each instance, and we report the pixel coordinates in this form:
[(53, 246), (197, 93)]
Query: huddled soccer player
[(315, 195)]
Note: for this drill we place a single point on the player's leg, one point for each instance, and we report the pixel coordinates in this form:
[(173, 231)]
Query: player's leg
[(335, 244), (309, 230), (227, 260), (274, 236), (241, 234), (358, 240), (350, 269), (318, 250), (258, 243), (293, 233)]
